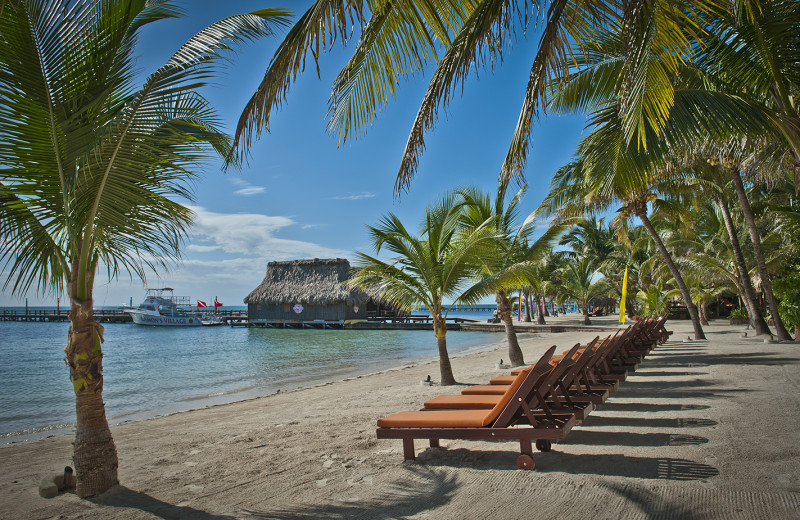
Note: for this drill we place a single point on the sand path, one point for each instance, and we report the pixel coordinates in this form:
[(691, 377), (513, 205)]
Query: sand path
[(702, 430)]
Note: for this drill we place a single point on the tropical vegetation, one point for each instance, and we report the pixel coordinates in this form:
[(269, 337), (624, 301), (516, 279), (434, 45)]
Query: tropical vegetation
[(684, 100), (93, 166)]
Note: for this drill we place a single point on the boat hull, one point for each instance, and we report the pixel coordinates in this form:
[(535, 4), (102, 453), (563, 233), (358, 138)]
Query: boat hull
[(165, 321)]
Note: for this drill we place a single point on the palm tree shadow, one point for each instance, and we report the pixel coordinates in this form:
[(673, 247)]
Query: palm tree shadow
[(425, 489), (653, 505), (122, 497), (657, 468)]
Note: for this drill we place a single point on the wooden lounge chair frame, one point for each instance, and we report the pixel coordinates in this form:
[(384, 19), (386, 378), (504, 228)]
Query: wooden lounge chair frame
[(517, 421)]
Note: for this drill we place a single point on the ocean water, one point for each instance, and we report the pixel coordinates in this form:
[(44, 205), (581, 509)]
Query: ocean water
[(153, 371)]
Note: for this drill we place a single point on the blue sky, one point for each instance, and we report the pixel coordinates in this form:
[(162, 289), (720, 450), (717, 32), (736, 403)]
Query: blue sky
[(301, 196)]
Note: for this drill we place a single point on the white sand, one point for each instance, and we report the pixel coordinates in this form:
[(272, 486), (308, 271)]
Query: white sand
[(701, 430)]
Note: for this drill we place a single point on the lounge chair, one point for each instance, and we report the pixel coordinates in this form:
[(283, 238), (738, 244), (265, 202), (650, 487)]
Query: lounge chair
[(512, 418), (558, 399)]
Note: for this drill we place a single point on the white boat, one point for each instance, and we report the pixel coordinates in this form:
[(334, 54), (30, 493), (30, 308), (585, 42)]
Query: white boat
[(161, 308)]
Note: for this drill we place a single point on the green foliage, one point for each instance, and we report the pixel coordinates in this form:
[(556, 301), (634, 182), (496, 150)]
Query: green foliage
[(787, 290), (739, 313), (92, 165), (654, 301), (430, 267)]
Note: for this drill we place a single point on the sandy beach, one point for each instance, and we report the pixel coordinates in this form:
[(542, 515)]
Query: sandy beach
[(703, 429)]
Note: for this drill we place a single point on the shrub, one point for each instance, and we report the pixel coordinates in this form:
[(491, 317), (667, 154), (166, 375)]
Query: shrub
[(739, 313)]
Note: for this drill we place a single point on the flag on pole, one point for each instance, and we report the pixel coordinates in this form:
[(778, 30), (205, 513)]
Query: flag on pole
[(217, 304), (201, 304), (624, 297)]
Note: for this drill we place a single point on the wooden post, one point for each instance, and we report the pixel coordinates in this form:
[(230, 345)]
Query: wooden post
[(408, 449)]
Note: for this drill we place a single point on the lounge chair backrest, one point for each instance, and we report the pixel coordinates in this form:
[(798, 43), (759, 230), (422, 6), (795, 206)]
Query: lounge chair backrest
[(544, 361), (534, 388), (533, 372)]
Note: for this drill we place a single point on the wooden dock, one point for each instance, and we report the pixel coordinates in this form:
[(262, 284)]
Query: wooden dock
[(375, 323), (102, 316)]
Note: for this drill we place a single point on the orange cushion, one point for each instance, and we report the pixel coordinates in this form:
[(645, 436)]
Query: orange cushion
[(504, 380), (438, 419), (467, 402), (454, 418), (485, 390), (512, 389)]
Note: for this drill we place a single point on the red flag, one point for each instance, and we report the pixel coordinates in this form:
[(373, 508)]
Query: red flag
[(217, 304), (201, 304)]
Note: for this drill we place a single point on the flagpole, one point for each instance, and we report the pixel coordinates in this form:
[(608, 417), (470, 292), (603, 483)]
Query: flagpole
[(624, 296)]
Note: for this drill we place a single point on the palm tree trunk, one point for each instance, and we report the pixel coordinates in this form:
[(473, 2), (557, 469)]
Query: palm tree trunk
[(527, 298), (504, 313), (748, 293), (95, 455), (703, 313), (445, 370), (541, 311), (544, 306), (749, 218), (673, 269), (586, 320)]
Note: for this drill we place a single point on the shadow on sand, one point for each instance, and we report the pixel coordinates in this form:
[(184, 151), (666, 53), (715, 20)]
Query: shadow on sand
[(604, 438), (618, 465), (610, 465), (648, 422), (745, 358), (424, 489), (123, 497), (610, 406)]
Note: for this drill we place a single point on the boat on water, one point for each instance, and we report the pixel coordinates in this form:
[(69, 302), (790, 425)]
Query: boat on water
[(162, 308)]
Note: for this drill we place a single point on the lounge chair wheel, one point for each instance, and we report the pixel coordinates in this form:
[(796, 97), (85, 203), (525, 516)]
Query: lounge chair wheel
[(544, 445), (525, 462)]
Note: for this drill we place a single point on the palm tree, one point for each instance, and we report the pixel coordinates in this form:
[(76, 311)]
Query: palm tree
[(429, 268), (399, 39), (92, 166), (590, 237), (712, 183), (583, 284), (654, 300), (508, 266)]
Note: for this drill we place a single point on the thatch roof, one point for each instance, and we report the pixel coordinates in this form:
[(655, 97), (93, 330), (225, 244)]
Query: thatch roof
[(601, 301), (313, 282)]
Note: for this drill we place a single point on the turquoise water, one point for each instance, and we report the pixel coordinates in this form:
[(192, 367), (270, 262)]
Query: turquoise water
[(152, 371)]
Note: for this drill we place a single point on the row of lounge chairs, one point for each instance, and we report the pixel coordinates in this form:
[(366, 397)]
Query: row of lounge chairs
[(540, 403)]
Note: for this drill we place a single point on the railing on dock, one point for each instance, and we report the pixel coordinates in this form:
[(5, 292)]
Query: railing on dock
[(101, 315)]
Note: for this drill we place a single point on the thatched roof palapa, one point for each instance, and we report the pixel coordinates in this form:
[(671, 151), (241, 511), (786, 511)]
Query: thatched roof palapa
[(311, 282)]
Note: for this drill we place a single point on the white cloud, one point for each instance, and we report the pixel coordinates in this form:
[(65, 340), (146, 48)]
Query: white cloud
[(247, 189), (253, 234), (202, 249), (355, 196), (250, 190)]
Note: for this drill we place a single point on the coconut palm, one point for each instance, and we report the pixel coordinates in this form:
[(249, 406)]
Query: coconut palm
[(584, 283), (590, 237), (584, 188), (751, 52), (399, 39), (428, 268), (654, 300), (712, 183), (92, 166), (508, 266)]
